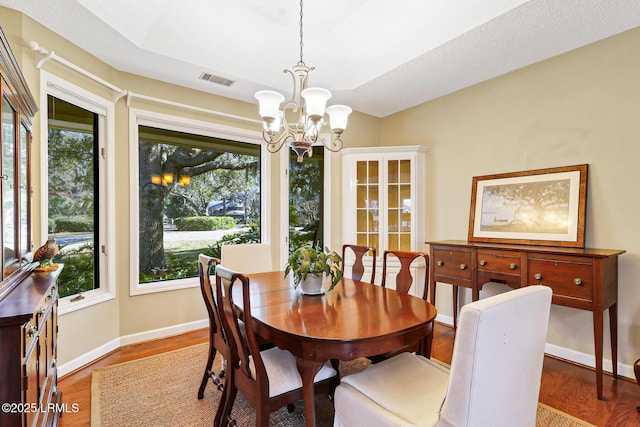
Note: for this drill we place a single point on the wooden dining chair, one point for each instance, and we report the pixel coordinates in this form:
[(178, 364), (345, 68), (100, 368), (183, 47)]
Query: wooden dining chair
[(358, 270), (404, 280), (217, 340), (268, 379)]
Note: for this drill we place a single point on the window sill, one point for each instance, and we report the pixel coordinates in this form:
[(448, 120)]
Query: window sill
[(169, 285), (66, 305)]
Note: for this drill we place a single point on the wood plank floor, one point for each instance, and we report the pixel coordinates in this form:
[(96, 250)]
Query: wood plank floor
[(565, 386)]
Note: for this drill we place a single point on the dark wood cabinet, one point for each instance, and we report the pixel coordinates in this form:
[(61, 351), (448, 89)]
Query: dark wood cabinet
[(586, 279), (17, 108), (28, 354)]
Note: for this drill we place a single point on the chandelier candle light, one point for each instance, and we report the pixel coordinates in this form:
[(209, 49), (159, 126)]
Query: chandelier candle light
[(310, 104)]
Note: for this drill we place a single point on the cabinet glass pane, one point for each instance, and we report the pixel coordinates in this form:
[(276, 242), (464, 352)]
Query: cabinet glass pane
[(405, 223), (393, 242), (405, 197), (362, 222), (405, 242), (374, 221), (405, 171), (361, 172), (392, 172), (374, 199), (374, 240), (8, 183), (392, 224), (373, 172), (393, 197), (361, 196), (25, 244)]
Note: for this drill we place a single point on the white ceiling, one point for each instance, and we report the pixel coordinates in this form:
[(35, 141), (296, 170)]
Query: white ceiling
[(378, 56)]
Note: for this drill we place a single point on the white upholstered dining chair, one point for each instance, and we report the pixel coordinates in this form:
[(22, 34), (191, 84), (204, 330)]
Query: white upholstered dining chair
[(249, 258), (494, 379)]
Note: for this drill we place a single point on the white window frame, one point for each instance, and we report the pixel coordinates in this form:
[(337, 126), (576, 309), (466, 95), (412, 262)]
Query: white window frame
[(62, 89), (284, 200), (180, 124)]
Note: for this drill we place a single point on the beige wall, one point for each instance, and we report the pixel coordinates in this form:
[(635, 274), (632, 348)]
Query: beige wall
[(581, 107)]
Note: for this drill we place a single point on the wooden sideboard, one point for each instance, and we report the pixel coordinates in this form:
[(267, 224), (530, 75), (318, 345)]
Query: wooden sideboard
[(586, 279), (28, 354)]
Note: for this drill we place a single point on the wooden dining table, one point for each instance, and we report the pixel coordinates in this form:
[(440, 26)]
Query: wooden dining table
[(353, 320)]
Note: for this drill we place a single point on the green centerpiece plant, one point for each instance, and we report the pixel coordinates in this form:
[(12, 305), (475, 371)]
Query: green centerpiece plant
[(307, 261)]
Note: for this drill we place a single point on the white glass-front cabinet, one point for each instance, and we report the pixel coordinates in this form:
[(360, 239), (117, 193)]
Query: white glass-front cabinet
[(384, 204)]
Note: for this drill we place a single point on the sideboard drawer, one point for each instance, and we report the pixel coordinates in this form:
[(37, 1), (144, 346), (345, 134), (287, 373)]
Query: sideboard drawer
[(452, 263), (572, 279), (499, 262)]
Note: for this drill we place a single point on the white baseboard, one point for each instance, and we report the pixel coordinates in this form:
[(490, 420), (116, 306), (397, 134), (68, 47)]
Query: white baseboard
[(568, 354), (88, 357), (588, 360), (114, 344), (163, 332)]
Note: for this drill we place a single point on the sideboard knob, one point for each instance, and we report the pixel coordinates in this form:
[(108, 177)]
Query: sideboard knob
[(440, 263), (463, 266), (512, 266), (577, 281), (482, 262), (538, 276)]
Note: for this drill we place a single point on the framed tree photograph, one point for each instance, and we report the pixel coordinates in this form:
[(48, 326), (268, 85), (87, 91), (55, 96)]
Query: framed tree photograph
[(536, 207)]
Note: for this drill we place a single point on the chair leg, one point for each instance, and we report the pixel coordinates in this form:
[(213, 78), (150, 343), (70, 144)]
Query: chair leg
[(262, 416), (223, 415), (208, 373)]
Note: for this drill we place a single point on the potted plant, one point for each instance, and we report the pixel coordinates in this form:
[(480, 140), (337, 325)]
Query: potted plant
[(309, 265)]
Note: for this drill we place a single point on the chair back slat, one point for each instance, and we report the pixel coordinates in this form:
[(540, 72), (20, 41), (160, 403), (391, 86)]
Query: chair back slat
[(243, 347), (357, 270), (204, 272), (404, 278)]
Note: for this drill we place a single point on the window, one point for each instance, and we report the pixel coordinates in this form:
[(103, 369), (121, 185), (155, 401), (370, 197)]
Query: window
[(306, 197), (306, 200), (78, 204), (73, 211), (196, 191)]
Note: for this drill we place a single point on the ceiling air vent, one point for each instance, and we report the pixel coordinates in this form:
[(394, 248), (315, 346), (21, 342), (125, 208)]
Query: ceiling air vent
[(216, 79)]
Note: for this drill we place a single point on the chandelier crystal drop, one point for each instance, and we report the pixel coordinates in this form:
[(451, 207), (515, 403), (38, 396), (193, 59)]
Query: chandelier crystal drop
[(310, 104)]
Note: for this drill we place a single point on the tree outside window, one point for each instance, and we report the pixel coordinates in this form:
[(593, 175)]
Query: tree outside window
[(195, 194)]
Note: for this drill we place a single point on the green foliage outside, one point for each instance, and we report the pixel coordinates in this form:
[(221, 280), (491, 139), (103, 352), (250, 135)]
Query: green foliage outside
[(77, 274), (71, 224), (181, 264), (204, 223)]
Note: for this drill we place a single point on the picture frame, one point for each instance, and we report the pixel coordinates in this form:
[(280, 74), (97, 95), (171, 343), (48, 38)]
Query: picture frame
[(536, 207)]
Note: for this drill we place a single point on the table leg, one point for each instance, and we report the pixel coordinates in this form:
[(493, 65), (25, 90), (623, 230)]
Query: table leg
[(454, 291), (308, 369), (613, 329), (598, 338)]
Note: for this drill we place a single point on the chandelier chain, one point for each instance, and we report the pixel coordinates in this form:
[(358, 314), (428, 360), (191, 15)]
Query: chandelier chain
[(301, 61)]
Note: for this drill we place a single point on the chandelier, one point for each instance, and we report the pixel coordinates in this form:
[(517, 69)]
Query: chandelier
[(310, 105)]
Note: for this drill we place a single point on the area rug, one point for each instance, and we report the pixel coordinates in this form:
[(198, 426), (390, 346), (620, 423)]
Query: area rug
[(162, 390)]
